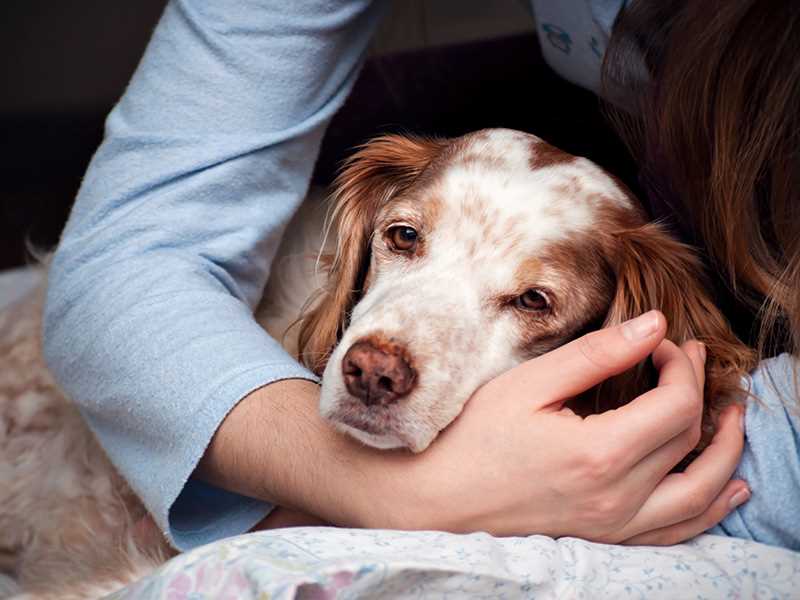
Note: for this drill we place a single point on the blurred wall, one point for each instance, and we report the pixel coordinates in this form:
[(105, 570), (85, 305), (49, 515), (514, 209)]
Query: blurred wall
[(77, 55), (70, 55)]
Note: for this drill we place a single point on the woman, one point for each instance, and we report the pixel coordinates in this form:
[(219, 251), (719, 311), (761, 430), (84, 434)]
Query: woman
[(149, 326)]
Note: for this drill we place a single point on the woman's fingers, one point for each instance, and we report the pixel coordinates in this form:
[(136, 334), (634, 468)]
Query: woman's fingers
[(656, 417), (591, 359), (681, 497), (696, 351), (734, 494), (655, 432), (651, 469)]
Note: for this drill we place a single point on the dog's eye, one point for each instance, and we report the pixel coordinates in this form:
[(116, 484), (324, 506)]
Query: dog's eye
[(402, 238), (533, 300)]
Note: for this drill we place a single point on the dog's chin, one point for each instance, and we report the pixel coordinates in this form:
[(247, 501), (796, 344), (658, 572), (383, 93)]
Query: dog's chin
[(381, 441), (381, 438)]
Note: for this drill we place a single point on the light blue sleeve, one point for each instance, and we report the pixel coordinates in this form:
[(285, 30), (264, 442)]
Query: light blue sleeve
[(771, 460), (148, 322)]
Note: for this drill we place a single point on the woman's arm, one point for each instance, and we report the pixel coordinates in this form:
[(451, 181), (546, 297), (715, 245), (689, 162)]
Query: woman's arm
[(513, 462), (148, 322)]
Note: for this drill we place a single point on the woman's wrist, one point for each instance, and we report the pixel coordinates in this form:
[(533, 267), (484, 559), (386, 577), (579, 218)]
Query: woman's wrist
[(513, 463), (257, 446), (274, 446)]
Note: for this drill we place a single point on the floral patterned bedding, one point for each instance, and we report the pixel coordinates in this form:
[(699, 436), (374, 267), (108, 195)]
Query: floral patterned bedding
[(326, 563)]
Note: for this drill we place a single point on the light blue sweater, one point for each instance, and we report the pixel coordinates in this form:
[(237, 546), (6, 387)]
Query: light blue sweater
[(148, 323)]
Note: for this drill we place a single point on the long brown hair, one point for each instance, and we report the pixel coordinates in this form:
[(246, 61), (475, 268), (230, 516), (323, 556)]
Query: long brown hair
[(707, 96)]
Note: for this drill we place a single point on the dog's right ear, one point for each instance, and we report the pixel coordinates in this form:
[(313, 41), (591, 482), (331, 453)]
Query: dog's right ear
[(380, 170), (653, 270)]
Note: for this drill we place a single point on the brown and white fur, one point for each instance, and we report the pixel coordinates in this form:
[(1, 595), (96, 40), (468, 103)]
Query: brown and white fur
[(519, 248), (498, 214)]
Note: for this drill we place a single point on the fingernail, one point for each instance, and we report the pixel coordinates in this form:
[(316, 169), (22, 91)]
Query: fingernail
[(641, 327), (739, 498)]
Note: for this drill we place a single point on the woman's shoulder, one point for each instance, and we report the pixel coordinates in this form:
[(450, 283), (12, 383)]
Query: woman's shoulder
[(775, 384)]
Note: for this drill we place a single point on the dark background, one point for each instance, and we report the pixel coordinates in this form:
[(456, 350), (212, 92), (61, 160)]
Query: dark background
[(57, 84)]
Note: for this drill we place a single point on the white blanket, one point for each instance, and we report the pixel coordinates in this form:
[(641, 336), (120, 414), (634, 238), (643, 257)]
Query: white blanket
[(325, 563)]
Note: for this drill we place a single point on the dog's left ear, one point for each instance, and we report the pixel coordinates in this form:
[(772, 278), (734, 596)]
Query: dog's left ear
[(655, 271), (379, 171)]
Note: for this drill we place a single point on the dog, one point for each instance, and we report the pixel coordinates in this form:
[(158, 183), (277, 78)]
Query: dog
[(458, 259), (445, 263)]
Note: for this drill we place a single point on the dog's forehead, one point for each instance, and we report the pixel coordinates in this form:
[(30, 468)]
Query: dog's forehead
[(503, 186)]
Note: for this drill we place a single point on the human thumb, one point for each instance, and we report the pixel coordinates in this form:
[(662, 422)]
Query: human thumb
[(591, 359)]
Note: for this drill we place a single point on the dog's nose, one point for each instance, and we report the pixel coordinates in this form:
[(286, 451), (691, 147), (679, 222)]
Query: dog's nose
[(377, 375)]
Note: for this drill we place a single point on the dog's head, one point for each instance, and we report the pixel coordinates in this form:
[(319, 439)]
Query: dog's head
[(458, 259)]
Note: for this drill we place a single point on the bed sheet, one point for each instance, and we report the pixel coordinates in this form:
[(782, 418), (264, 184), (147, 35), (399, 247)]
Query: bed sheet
[(326, 563)]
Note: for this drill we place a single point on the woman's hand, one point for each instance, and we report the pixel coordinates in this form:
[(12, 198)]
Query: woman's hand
[(516, 462)]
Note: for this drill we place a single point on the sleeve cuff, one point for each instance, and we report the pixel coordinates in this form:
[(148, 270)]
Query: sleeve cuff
[(198, 513), (203, 513)]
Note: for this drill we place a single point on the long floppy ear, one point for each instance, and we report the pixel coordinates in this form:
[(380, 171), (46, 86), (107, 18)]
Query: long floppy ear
[(382, 168), (655, 271)]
